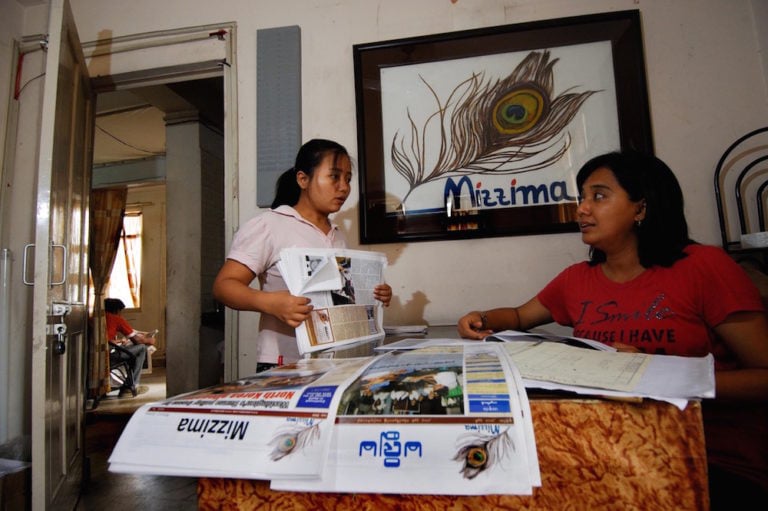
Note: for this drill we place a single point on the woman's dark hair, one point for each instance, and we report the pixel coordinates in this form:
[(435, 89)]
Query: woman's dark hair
[(663, 233), (113, 305), (311, 154)]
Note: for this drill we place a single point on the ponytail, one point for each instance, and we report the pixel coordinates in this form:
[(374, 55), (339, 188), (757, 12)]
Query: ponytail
[(287, 189)]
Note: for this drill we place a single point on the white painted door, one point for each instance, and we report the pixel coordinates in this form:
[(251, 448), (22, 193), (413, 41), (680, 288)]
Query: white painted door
[(60, 255)]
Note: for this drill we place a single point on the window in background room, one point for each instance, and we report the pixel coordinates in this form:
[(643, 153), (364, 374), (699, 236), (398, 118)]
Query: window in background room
[(125, 279)]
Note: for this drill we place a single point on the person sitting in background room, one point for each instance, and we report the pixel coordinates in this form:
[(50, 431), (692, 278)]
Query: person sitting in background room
[(133, 341), (648, 287)]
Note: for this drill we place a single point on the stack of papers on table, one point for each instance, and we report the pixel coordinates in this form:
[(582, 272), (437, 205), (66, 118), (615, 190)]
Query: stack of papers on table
[(553, 362), (405, 329), (273, 423), (445, 420), (451, 417)]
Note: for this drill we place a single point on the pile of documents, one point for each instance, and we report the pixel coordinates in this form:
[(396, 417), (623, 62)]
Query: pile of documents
[(425, 416), (443, 420), (584, 366)]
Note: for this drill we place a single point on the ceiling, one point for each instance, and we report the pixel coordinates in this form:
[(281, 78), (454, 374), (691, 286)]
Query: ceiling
[(130, 123)]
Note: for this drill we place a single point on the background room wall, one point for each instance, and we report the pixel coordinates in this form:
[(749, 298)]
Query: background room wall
[(706, 82)]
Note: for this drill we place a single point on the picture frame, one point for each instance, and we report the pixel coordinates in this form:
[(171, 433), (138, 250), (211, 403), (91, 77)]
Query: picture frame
[(480, 133)]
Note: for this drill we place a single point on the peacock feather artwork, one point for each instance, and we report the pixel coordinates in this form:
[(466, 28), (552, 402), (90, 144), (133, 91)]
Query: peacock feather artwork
[(293, 439), (508, 125), (480, 452)]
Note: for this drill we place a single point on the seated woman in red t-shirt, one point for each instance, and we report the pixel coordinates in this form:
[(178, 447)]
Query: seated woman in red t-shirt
[(648, 287)]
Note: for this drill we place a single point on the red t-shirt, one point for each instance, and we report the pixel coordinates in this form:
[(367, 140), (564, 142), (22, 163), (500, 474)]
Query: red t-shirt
[(116, 323), (667, 311)]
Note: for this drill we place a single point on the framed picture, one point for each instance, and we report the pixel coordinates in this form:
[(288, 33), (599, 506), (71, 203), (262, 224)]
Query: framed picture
[(480, 133)]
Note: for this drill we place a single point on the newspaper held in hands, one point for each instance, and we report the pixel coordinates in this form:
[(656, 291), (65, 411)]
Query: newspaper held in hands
[(340, 284)]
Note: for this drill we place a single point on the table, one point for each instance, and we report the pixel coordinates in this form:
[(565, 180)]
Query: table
[(593, 454)]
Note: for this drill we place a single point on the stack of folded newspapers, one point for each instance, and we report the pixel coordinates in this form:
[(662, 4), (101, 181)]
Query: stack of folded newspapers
[(444, 420)]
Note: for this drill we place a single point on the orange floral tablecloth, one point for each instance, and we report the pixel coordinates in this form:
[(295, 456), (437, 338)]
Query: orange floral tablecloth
[(593, 454)]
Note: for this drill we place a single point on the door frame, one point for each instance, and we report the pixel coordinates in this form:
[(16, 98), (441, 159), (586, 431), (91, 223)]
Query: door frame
[(182, 54)]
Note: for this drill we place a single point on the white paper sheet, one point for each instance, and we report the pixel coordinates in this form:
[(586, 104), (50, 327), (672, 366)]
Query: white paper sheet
[(515, 336)]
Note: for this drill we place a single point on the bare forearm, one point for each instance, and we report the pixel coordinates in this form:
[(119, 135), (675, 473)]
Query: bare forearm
[(291, 310), (478, 324), (142, 338), (238, 296), (504, 318), (749, 384)]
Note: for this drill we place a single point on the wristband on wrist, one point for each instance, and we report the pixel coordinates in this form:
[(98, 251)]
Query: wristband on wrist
[(483, 321)]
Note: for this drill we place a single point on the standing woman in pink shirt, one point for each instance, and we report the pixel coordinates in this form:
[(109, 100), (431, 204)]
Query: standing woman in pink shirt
[(316, 186)]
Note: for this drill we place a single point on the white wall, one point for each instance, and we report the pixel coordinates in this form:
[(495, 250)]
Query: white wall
[(706, 87), (18, 193)]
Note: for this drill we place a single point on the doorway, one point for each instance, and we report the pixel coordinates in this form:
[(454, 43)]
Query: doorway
[(189, 75), (56, 432), (162, 141)]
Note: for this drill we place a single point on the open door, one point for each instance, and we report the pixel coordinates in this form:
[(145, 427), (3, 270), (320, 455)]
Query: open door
[(60, 283)]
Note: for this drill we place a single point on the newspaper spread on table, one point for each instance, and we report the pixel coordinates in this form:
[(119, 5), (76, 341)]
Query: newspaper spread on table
[(585, 366), (442, 420), (340, 283), (276, 422)]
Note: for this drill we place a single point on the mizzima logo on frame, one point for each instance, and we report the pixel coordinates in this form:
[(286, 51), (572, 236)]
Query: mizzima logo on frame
[(514, 195)]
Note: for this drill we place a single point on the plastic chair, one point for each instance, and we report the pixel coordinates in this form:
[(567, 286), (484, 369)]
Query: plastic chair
[(121, 363)]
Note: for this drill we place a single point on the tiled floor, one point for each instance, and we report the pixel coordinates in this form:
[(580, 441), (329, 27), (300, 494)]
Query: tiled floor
[(118, 492)]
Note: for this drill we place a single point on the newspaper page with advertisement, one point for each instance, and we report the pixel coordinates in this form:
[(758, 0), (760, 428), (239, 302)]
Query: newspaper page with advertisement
[(274, 423), (340, 283), (439, 420)]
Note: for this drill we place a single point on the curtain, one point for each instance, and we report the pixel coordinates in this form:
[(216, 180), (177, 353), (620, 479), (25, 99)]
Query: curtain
[(107, 211)]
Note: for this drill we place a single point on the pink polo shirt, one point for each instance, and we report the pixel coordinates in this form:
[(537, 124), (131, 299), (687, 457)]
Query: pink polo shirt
[(257, 245)]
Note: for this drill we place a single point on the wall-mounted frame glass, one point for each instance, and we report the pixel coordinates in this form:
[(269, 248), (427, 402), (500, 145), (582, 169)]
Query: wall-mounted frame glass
[(480, 133)]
